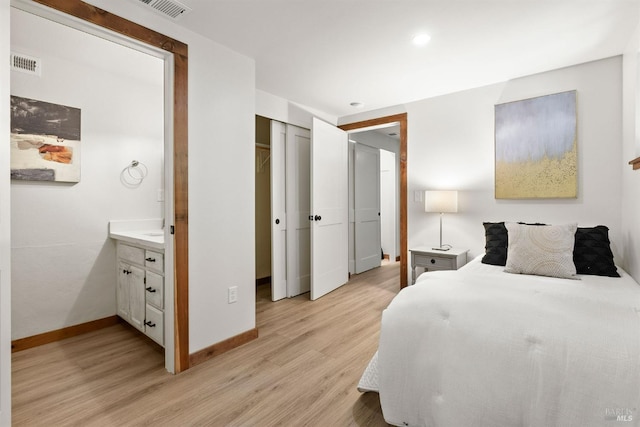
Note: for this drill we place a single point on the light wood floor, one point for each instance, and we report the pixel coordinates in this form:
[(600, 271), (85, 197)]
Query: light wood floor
[(301, 371)]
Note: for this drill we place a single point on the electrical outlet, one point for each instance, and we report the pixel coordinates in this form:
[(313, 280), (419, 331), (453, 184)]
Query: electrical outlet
[(160, 196), (232, 295)]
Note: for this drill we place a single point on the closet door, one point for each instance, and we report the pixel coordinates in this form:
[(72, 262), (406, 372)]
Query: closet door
[(278, 212), (297, 207), (367, 208), (329, 208)]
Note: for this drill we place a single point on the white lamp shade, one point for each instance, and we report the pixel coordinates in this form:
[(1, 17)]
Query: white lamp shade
[(441, 201)]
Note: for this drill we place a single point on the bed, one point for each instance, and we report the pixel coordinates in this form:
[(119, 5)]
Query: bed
[(484, 347)]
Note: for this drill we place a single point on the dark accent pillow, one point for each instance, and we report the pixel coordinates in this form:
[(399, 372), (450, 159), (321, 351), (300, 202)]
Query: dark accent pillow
[(592, 252), (497, 240), (495, 250)]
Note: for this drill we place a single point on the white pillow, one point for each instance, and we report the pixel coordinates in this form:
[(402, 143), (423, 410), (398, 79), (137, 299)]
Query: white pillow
[(543, 250)]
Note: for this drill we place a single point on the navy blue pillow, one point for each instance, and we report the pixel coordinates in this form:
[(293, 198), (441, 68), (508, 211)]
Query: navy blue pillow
[(592, 252)]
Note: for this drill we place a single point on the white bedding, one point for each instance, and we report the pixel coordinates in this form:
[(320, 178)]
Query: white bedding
[(480, 347)]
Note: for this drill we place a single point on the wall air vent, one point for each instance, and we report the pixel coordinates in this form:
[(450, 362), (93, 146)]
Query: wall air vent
[(26, 64), (170, 8)]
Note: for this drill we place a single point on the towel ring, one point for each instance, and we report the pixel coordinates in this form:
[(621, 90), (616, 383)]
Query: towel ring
[(133, 175)]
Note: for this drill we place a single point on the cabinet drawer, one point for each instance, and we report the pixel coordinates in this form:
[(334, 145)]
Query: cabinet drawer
[(130, 253), (154, 289), (435, 263), (154, 324), (154, 261)]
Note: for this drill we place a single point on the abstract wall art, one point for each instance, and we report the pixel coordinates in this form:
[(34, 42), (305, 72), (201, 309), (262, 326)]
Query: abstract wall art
[(45, 141), (536, 148)]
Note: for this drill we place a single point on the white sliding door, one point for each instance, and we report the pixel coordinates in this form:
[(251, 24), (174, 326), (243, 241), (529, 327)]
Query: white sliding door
[(298, 205), (278, 212)]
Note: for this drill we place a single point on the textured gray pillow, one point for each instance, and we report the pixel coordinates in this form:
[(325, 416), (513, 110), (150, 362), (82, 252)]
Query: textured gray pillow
[(541, 250)]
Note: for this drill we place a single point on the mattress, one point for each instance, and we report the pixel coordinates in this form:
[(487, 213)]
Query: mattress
[(482, 347)]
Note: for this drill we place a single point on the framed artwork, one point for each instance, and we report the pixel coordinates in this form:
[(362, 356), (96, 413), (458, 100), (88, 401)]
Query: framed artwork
[(536, 148), (45, 141)]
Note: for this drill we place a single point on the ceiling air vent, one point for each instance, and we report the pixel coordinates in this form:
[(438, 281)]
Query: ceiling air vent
[(169, 8), (26, 64)]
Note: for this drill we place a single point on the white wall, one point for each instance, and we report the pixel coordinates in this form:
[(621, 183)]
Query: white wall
[(221, 192), (5, 226), (221, 180), (63, 262), (451, 146), (631, 150)]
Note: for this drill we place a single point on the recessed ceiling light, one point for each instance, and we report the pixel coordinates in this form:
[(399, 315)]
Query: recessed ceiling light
[(421, 39), (357, 104)]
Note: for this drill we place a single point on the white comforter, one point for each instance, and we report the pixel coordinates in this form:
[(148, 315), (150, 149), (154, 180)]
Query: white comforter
[(480, 347)]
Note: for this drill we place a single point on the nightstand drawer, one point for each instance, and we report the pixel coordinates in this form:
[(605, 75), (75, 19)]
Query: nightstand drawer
[(435, 263), (431, 259)]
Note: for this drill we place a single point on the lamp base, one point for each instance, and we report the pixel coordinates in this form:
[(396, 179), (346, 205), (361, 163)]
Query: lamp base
[(441, 249)]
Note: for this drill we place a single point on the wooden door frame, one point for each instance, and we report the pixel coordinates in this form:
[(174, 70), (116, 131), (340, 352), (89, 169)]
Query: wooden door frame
[(402, 120), (124, 27)]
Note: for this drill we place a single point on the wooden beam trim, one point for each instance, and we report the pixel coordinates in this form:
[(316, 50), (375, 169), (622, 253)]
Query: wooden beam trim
[(404, 248), (181, 213), (402, 117), (223, 346), (115, 23), (63, 333), (635, 163)]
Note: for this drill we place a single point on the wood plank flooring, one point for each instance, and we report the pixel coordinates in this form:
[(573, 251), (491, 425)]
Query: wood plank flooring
[(301, 371)]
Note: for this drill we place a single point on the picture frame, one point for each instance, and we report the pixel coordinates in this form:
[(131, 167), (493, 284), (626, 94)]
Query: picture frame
[(45, 141), (536, 148)]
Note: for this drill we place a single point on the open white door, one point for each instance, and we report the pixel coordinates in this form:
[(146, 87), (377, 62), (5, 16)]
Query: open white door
[(368, 252), (278, 216), (298, 204), (329, 208)]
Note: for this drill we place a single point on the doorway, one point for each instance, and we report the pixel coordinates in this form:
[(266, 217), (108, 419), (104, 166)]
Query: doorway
[(374, 188), (87, 18), (401, 120)]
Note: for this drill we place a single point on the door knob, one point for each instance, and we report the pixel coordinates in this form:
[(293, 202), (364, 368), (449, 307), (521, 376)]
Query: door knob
[(277, 221)]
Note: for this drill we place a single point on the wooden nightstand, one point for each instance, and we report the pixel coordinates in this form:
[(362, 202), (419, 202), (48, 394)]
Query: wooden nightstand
[(431, 259)]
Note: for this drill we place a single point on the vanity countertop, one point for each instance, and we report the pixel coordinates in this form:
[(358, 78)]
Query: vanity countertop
[(139, 232)]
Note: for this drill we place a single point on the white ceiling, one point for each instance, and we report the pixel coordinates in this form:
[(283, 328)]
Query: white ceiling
[(328, 53)]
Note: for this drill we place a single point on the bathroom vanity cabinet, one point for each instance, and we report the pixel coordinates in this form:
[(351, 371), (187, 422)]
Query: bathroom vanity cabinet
[(140, 289), (140, 298)]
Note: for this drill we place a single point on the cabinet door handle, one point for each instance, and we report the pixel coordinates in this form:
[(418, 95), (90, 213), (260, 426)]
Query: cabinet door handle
[(318, 218), (150, 259), (150, 289), (126, 271), (150, 324)]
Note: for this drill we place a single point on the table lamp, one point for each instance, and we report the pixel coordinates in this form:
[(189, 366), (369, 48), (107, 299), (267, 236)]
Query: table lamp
[(441, 201)]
